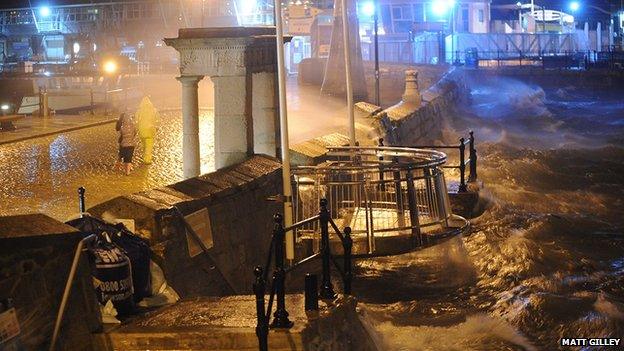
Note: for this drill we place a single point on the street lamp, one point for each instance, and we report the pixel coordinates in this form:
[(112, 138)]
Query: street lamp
[(110, 66), (44, 11), (575, 6)]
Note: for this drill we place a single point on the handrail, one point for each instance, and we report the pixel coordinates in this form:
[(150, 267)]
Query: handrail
[(277, 284)]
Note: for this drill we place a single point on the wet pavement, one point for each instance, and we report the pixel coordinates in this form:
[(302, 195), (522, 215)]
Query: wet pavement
[(43, 174), (33, 126)]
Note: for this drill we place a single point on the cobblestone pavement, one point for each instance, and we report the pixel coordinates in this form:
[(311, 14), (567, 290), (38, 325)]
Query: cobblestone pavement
[(43, 174)]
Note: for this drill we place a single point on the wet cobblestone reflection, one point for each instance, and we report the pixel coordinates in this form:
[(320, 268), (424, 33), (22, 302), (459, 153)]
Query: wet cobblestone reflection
[(42, 174)]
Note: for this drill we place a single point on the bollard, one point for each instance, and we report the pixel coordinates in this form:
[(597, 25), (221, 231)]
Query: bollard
[(280, 317), (81, 200), (45, 105), (473, 159), (311, 292), (462, 165), (347, 245), (262, 328), (327, 290), (92, 103)]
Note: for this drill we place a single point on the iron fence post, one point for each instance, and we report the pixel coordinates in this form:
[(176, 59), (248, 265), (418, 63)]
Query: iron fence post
[(473, 159), (347, 246), (280, 317), (382, 185), (462, 165), (262, 328), (398, 191), (413, 208), (311, 292), (81, 200), (327, 290)]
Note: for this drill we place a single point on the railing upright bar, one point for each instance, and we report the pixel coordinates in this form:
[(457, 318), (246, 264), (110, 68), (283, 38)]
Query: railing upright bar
[(398, 192), (262, 327), (280, 318), (462, 165), (327, 290), (382, 184), (473, 159), (413, 209), (347, 247)]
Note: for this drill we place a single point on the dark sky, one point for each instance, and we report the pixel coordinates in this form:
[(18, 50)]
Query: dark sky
[(553, 4)]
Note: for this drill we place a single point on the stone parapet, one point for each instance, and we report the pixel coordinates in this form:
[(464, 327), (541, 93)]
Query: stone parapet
[(409, 123), (237, 218), (314, 151)]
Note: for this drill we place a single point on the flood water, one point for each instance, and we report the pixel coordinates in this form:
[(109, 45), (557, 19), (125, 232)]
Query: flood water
[(545, 258)]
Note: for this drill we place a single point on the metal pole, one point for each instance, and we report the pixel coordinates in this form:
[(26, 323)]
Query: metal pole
[(81, 200), (347, 246), (347, 59), (262, 328), (462, 165), (280, 317), (377, 75), (68, 285), (283, 114), (311, 292), (327, 290), (473, 159)]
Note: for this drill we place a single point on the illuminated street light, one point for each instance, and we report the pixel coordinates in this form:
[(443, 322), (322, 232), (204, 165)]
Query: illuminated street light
[(110, 66), (44, 11), (442, 7), (4, 107), (575, 6), (76, 48), (368, 9)]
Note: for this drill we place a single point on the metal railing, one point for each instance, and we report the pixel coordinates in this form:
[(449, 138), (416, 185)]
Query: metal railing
[(394, 199), (470, 161), (277, 285)]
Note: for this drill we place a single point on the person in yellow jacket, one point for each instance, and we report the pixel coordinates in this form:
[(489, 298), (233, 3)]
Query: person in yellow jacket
[(146, 117)]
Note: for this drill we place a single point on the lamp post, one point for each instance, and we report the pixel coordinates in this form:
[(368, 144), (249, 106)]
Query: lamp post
[(376, 33)]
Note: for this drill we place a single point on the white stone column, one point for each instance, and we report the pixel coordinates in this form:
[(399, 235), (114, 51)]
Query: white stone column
[(190, 126), (232, 119), (264, 113)]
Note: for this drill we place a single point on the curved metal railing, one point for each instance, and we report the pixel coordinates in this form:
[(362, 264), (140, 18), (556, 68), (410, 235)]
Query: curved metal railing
[(394, 199)]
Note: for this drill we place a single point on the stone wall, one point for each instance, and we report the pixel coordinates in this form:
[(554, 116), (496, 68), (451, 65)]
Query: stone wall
[(36, 253), (409, 124), (239, 219)]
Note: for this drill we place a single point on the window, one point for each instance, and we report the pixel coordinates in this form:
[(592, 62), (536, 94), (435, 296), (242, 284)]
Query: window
[(481, 16), (419, 13)]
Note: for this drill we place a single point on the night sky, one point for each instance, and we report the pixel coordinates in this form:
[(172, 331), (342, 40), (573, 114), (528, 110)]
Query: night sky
[(586, 12)]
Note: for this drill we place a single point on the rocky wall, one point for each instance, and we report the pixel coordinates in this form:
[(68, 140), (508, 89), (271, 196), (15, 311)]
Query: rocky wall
[(36, 253), (235, 228)]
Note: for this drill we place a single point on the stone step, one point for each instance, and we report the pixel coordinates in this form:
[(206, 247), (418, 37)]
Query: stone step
[(228, 323)]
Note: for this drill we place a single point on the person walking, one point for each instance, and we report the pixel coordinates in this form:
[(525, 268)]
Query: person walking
[(146, 117), (127, 135)]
